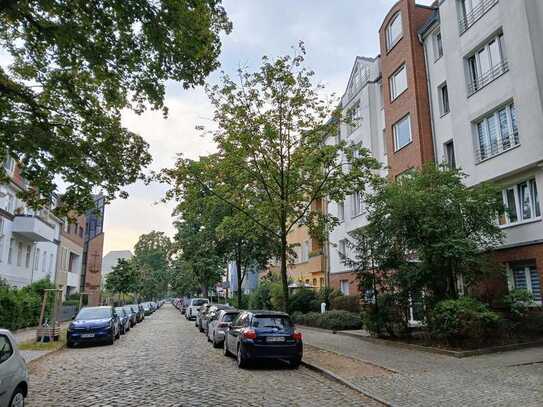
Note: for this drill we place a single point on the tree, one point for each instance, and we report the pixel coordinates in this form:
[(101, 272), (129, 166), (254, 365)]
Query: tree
[(123, 278), (426, 230), (274, 129), (75, 65)]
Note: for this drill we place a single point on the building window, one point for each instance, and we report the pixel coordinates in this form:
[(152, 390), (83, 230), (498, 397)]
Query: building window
[(354, 117), (398, 83), (11, 249), (444, 106), (356, 204), (438, 46), (44, 262), (9, 165), (28, 255), (496, 133), (394, 31), (344, 287), (19, 254), (486, 64), (526, 277), (1, 240), (37, 259), (473, 10), (342, 248), (402, 133), (305, 251), (341, 211), (521, 203), (449, 154), (322, 281)]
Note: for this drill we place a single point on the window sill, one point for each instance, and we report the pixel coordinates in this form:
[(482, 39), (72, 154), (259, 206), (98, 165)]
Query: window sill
[(402, 147), (524, 222), (442, 115), (400, 94), (438, 58), (357, 216), (498, 154), (391, 47)]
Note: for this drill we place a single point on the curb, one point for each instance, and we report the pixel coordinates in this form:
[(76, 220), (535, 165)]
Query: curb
[(30, 364), (428, 349), (332, 376)]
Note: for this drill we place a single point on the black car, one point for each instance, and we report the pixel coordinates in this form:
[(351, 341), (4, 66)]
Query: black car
[(257, 335), (124, 319), (132, 314), (94, 324), (138, 309)]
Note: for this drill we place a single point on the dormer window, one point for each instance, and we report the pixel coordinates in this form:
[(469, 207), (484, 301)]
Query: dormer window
[(394, 31)]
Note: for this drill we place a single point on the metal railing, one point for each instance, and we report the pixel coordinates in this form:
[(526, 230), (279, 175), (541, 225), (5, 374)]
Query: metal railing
[(502, 144), (495, 72), (467, 20)]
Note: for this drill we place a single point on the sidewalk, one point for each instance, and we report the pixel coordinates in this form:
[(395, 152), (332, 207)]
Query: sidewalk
[(27, 335), (416, 378)]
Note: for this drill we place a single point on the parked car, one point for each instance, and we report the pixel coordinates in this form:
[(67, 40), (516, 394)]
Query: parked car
[(124, 320), (94, 324), (13, 372), (210, 314), (218, 325), (132, 315), (255, 335), (194, 306), (147, 310), (140, 315), (200, 315)]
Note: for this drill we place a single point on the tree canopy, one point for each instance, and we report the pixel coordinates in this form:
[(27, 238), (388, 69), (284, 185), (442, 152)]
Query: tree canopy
[(75, 65)]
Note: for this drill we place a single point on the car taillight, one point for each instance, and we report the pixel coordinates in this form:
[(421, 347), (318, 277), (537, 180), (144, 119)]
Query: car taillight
[(297, 336), (248, 334)]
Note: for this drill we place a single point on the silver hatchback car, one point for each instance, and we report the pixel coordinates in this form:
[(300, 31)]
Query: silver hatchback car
[(13, 372)]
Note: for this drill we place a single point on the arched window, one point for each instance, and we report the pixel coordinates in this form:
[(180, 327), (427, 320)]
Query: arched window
[(394, 30)]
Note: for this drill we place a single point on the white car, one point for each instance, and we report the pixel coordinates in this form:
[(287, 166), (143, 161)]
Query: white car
[(194, 306), (13, 372)]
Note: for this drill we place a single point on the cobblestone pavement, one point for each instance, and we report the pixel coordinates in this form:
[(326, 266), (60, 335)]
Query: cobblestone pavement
[(165, 361), (426, 379)]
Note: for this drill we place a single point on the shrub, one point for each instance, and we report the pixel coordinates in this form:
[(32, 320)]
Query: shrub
[(303, 300), (349, 303), (519, 303), (328, 294), (244, 301), (532, 324), (260, 298), (334, 320), (386, 317), (462, 322)]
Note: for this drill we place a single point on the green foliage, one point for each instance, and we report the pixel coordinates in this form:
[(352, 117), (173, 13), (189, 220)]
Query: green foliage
[(260, 298), (152, 265), (462, 321), (76, 65), (244, 304), (273, 125), (387, 317), (20, 308), (349, 303), (327, 295), (334, 320), (303, 300), (123, 278), (519, 302)]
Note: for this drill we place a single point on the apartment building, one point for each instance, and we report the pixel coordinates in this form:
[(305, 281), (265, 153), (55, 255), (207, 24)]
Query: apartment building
[(93, 248), (363, 103), (484, 64), (70, 256), (29, 239)]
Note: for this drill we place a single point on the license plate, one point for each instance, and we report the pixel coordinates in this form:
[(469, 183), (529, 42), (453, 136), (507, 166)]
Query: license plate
[(87, 335), (275, 339)]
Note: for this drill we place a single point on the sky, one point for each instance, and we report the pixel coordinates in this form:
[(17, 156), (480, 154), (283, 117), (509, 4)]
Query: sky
[(334, 33)]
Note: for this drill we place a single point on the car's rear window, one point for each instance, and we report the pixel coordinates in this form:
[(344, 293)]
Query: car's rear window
[(94, 313), (271, 321), (119, 311), (229, 317), (197, 303)]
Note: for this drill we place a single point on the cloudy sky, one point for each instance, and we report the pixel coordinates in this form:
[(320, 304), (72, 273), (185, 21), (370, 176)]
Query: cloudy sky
[(334, 32)]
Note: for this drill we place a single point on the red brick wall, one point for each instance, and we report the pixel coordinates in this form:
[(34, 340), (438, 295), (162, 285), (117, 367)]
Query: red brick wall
[(335, 279), (414, 100), (93, 275), (525, 253)]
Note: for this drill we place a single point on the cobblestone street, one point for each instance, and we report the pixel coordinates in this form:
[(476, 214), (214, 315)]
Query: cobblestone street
[(165, 361)]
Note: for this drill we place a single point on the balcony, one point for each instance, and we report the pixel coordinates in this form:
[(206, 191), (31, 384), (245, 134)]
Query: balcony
[(470, 18), (33, 228), (488, 151), (494, 73)]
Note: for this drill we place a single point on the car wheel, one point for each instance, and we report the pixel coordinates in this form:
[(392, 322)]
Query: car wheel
[(295, 363), (241, 359), (111, 339), (225, 350), (18, 398), (118, 334)]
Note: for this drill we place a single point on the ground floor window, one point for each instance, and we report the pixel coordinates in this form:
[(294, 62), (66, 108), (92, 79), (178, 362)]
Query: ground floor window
[(344, 287), (526, 277), (416, 308)]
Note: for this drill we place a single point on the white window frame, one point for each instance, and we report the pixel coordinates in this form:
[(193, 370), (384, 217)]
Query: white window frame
[(9, 165), (11, 249), (395, 81), (342, 248), (437, 40), (444, 102), (528, 278), (477, 71), (305, 251), (392, 41), (505, 220), (341, 211), (357, 204), (354, 117), (490, 145), (2, 238), (395, 128), (28, 256), (344, 287)]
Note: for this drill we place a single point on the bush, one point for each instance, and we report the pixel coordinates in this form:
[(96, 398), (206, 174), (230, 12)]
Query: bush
[(244, 301), (334, 320), (303, 300), (260, 298), (386, 317), (519, 303), (462, 322), (349, 303), (327, 295)]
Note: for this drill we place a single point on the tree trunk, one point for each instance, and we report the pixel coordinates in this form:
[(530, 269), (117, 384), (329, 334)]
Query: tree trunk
[(204, 291), (284, 279), (238, 276)]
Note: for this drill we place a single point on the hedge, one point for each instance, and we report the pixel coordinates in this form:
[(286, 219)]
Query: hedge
[(349, 303), (334, 320)]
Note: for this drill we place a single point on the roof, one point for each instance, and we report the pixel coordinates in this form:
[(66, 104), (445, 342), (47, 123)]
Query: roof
[(265, 312), (433, 19)]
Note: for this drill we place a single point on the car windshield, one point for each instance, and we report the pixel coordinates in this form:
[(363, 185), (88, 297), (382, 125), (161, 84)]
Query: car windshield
[(128, 310), (229, 317), (197, 303), (119, 312), (94, 313), (271, 321)]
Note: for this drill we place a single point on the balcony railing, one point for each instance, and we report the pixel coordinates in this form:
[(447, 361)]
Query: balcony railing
[(495, 72), (467, 20), (501, 145)]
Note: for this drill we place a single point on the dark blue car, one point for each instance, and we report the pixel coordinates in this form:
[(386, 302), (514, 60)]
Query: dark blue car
[(94, 324), (255, 335)]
